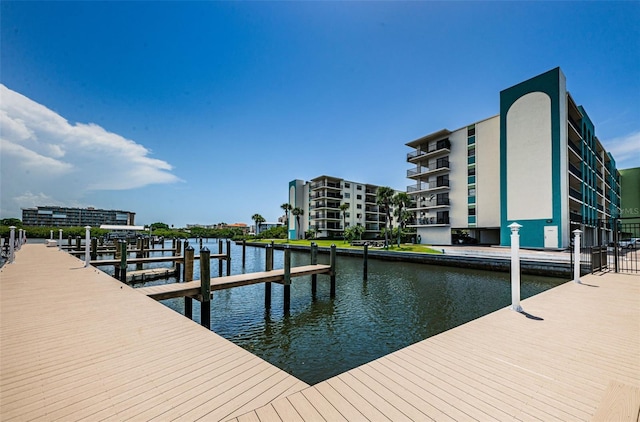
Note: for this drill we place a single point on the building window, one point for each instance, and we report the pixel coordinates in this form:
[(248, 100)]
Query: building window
[(359, 206), (359, 197), (472, 211), (471, 130), (471, 171), (347, 185), (358, 187), (472, 191), (471, 152), (358, 215), (347, 195)]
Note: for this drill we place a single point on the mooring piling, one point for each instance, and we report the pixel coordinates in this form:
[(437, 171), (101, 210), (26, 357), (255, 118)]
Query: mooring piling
[(244, 252), (268, 266), (287, 279), (123, 261), (94, 248), (314, 261), (332, 275), (228, 257), (188, 276), (365, 262), (220, 261), (177, 251), (205, 287)]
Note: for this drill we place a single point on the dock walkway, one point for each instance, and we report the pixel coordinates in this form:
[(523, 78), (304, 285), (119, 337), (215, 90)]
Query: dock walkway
[(192, 288), (76, 344)]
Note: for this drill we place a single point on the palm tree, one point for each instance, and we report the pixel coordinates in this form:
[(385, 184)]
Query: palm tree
[(259, 220), (286, 207), (384, 194), (297, 212), (344, 207), (400, 200)]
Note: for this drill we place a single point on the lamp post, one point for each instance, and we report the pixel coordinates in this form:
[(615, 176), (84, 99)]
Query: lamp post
[(515, 266), (576, 256)]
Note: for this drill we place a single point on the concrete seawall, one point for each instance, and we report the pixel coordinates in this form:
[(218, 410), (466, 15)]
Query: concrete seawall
[(551, 268)]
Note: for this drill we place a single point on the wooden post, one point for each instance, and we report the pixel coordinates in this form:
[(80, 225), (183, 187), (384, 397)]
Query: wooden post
[(314, 261), (78, 243), (123, 261), (69, 242), (515, 266), (94, 248), (205, 287), (146, 243), (244, 252), (219, 260), (228, 257), (287, 279), (365, 263), (188, 276), (332, 263), (576, 254), (176, 252), (200, 243), (139, 251), (268, 266)]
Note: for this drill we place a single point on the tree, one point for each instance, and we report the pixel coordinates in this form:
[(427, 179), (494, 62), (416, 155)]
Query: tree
[(400, 200), (297, 212), (11, 222), (156, 226), (353, 232), (259, 220), (286, 207), (344, 207), (311, 234), (384, 195)]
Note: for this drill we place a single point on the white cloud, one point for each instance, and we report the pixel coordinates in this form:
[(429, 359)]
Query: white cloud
[(40, 151), (625, 150)]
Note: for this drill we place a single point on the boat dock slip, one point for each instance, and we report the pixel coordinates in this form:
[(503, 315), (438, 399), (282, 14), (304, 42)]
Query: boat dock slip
[(152, 259), (75, 344), (192, 288)]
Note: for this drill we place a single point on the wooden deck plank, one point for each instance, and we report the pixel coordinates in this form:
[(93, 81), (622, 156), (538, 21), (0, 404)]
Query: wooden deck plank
[(95, 349), (621, 403), (192, 288)]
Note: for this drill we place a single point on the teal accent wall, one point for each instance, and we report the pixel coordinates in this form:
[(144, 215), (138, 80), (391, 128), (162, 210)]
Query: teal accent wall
[(532, 232)]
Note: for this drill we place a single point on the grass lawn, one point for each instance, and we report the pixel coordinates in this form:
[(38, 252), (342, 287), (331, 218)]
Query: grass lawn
[(404, 247)]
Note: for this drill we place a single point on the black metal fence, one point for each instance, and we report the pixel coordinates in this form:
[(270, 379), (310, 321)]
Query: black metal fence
[(620, 254)]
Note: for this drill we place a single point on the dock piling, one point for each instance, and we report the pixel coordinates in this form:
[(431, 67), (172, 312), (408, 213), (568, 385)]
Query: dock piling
[(332, 275), (287, 279), (220, 261), (244, 252), (59, 239), (205, 287), (123, 261), (268, 266), (87, 244), (576, 255), (177, 251), (94, 248), (314, 261), (228, 257), (188, 276), (12, 244), (365, 262), (78, 243)]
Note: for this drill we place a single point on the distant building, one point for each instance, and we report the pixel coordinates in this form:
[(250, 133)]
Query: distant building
[(537, 163), (220, 226), (320, 199), (74, 217)]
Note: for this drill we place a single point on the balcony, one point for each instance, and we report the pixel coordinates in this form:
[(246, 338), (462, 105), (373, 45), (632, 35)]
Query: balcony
[(576, 172), (331, 185), (327, 216), (328, 226), (431, 221), (428, 186), (326, 195), (441, 147), (575, 194)]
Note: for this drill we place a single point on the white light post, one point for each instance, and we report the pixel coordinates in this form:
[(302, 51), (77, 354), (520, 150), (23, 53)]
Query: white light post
[(19, 242), (87, 243), (51, 234), (59, 239), (576, 256), (515, 266), (12, 243)]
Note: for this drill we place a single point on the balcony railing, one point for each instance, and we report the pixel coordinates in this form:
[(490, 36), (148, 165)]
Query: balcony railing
[(428, 185), (440, 146), (325, 185), (326, 195), (575, 171), (425, 221), (575, 194)]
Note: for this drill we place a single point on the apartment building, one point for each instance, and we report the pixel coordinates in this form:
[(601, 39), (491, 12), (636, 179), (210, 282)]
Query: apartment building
[(75, 217), (538, 163), (321, 198)]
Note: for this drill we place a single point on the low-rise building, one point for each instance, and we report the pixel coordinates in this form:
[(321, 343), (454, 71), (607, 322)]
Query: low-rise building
[(49, 216)]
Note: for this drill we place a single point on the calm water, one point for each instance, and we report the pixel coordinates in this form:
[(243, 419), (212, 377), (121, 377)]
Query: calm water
[(400, 304)]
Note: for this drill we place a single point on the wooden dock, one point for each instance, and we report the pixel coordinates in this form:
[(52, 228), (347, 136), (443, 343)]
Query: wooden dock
[(192, 288), (76, 344)]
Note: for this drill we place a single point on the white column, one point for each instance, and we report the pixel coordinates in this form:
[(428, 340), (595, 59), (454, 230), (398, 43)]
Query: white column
[(515, 267), (19, 240), (12, 243), (51, 234), (59, 239), (576, 256), (87, 245)]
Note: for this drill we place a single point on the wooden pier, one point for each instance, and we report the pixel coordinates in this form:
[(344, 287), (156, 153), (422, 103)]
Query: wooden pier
[(192, 288), (75, 344)]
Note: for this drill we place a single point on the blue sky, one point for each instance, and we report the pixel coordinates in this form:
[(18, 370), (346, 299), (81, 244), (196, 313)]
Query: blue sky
[(202, 112)]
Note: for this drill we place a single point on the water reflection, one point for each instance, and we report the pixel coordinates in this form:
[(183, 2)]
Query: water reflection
[(399, 304)]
